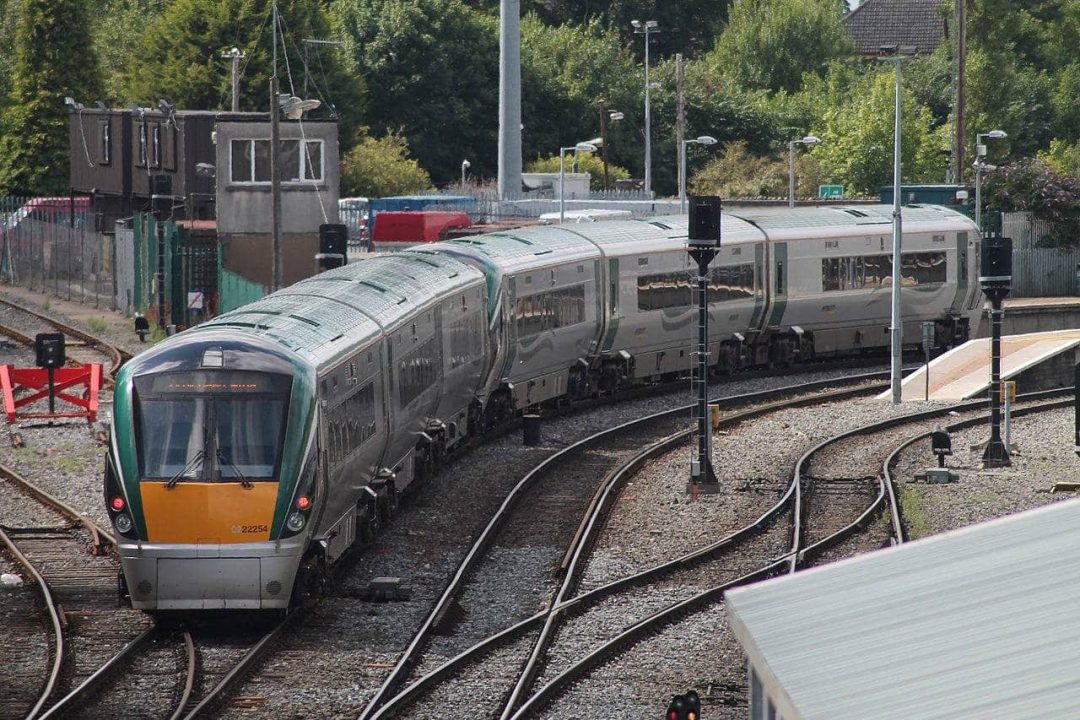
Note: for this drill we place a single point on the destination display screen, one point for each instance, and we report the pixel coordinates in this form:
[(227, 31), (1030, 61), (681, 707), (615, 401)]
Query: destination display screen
[(217, 382)]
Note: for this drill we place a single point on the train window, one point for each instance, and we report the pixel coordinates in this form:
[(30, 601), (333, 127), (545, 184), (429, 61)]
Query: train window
[(550, 310), (417, 371), (875, 271), (466, 339), (733, 282), (671, 290), (211, 425)]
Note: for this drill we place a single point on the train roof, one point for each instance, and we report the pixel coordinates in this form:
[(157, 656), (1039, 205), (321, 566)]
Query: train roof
[(327, 314), (511, 250), (781, 223)]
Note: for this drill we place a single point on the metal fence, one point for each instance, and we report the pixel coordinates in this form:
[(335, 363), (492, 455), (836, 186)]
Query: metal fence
[(48, 244), (1039, 271)]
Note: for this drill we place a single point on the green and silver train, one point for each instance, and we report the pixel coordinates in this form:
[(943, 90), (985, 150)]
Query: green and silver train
[(249, 453)]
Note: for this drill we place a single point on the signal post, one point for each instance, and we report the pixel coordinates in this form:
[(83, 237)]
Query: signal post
[(703, 243)]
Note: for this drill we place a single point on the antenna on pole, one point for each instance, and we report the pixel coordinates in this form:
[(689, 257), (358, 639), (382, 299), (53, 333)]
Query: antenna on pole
[(236, 55), (315, 41)]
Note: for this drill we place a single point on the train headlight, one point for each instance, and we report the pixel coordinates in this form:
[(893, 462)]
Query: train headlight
[(123, 523), (295, 522)]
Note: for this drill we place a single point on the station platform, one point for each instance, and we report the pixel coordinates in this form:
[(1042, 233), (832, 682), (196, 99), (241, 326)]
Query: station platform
[(1036, 361), (1036, 314)]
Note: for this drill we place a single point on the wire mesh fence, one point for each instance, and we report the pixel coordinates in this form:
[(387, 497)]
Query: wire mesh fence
[(48, 244)]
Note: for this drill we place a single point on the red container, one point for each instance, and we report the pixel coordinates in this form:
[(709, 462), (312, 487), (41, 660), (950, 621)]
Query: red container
[(417, 227)]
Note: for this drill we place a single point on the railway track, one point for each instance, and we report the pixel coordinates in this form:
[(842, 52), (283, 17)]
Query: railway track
[(70, 560), (559, 681), (658, 433), (85, 347)]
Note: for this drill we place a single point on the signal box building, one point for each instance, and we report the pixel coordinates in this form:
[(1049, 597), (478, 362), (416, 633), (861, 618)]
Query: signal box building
[(217, 169), (973, 624)]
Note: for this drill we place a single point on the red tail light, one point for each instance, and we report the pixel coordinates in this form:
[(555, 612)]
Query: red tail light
[(117, 503), (303, 502)]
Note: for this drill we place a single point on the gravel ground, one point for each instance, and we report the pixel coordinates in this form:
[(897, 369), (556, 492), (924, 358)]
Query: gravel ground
[(1043, 456)]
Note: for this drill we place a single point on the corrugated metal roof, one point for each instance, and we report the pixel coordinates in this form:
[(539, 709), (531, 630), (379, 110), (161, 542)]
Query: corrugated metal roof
[(974, 624)]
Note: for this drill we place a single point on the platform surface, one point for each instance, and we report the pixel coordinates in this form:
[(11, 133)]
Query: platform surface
[(964, 372)]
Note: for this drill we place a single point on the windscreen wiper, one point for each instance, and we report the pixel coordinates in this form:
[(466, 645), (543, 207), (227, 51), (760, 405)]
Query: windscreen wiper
[(243, 480), (198, 456)]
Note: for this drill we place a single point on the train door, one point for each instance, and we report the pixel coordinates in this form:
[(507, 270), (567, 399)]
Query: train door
[(961, 271), (779, 280), (612, 308)]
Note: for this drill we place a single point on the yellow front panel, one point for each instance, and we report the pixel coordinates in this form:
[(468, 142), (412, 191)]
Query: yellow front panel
[(225, 512)]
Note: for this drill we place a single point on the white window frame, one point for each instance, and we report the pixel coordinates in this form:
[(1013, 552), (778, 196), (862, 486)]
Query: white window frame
[(303, 161)]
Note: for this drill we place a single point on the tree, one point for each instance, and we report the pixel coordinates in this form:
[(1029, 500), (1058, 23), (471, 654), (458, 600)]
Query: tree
[(117, 26), (586, 162), (687, 26), (857, 138), (432, 71), (739, 173), (769, 44), (567, 73), (378, 167), (1030, 185), (178, 58), (53, 60)]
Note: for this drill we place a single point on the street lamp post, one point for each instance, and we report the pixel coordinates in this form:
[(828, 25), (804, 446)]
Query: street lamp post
[(583, 147), (982, 166), (702, 140), (808, 140), (896, 54), (605, 115), (465, 165), (645, 28)]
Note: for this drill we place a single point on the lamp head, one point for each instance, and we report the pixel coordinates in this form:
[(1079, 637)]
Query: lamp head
[(997, 134), (636, 24), (465, 164), (585, 147), (165, 106), (101, 105), (705, 140), (811, 140), (615, 115), (652, 24), (70, 102)]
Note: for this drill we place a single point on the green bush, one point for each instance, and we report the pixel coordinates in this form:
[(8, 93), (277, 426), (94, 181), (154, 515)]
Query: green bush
[(378, 167)]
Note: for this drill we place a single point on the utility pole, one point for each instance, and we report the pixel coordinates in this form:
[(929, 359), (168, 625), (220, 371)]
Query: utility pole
[(603, 140), (275, 163), (509, 99), (236, 55), (960, 110), (680, 122), (307, 43)]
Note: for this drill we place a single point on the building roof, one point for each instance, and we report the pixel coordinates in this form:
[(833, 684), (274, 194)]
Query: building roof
[(972, 624), (896, 22)]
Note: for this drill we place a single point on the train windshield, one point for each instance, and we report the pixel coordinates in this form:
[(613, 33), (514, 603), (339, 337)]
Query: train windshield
[(211, 425)]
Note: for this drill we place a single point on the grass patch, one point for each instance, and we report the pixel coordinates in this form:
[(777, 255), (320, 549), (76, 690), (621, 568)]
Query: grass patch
[(97, 325), (913, 511), (157, 333)]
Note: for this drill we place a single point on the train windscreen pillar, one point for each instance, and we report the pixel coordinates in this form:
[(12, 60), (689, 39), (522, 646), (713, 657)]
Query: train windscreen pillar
[(703, 243), (995, 277)]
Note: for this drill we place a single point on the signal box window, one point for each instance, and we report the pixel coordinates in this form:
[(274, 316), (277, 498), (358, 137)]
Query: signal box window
[(300, 162)]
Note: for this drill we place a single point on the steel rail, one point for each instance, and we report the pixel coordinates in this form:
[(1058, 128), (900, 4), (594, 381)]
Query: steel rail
[(384, 702), (54, 617), (116, 355), (668, 615), (99, 536), (242, 666), (795, 553)]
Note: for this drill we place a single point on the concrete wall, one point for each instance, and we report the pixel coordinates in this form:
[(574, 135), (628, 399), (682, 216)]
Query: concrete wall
[(247, 208)]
